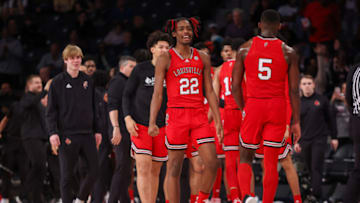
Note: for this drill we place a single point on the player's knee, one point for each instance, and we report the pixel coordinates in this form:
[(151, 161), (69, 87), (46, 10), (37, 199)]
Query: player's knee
[(197, 166), (142, 168), (174, 168), (155, 170), (212, 164)]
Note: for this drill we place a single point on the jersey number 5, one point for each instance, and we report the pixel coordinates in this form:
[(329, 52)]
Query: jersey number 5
[(193, 83), (265, 71)]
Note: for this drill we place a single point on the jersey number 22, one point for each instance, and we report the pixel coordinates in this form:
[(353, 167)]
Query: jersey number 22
[(189, 86)]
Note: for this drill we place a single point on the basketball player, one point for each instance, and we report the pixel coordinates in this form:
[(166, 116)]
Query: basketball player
[(285, 155), (231, 117), (266, 61), (150, 152), (187, 73)]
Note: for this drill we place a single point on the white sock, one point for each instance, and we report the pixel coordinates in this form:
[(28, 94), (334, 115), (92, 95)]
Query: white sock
[(79, 201)]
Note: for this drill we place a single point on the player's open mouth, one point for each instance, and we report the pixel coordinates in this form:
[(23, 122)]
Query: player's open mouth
[(187, 37)]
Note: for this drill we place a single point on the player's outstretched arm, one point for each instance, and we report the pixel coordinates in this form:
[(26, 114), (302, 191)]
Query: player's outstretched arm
[(293, 61), (211, 96), (161, 67), (238, 75)]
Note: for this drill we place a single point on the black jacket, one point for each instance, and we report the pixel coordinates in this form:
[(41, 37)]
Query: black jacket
[(316, 119), (71, 105), (33, 125), (115, 93)]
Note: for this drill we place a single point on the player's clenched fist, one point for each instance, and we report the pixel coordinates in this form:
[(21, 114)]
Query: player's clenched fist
[(153, 130)]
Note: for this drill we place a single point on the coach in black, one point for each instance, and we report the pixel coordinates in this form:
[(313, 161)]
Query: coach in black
[(120, 137), (34, 136), (317, 123), (71, 122), (351, 193)]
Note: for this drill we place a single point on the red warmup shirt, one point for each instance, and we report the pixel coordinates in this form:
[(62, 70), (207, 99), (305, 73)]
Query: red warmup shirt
[(265, 69), (184, 80), (324, 20), (225, 78)]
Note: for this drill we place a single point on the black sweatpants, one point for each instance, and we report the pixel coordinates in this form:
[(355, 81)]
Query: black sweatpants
[(36, 153), (71, 148), (15, 159), (351, 193), (103, 181), (54, 172), (122, 173), (313, 154)]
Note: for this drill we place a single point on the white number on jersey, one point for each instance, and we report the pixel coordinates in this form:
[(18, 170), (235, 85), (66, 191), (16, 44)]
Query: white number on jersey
[(265, 71), (189, 86), (227, 82)]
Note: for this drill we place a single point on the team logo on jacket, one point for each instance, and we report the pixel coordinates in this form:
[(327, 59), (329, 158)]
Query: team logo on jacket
[(67, 141), (85, 84), (149, 81), (316, 103), (68, 86)]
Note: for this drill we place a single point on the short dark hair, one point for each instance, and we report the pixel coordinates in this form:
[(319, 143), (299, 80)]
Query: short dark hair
[(236, 43), (142, 55), (307, 77), (157, 36), (226, 42), (270, 16), (88, 58)]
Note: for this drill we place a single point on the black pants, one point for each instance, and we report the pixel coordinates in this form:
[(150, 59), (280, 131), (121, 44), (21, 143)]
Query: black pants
[(313, 154), (36, 153), (352, 189), (15, 159), (122, 173), (104, 179), (71, 149), (54, 174)]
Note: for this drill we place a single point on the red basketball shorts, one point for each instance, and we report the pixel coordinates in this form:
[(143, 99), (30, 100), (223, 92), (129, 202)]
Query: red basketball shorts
[(264, 120), (185, 125), (232, 123), (153, 146)]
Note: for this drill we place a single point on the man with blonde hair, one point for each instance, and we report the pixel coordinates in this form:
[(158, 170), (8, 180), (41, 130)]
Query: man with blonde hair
[(70, 117)]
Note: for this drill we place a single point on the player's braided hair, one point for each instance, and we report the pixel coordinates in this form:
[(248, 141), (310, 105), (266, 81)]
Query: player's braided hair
[(172, 23)]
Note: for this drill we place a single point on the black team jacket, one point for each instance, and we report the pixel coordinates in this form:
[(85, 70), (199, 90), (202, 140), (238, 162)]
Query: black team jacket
[(71, 106)]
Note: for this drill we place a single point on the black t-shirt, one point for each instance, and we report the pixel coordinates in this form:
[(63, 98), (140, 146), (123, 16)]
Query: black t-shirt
[(138, 93)]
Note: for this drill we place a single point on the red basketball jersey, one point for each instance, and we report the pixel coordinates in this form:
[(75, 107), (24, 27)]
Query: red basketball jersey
[(265, 68), (184, 80), (225, 78)]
